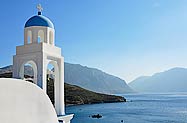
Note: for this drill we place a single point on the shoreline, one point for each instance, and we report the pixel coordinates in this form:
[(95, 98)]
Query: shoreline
[(69, 105)]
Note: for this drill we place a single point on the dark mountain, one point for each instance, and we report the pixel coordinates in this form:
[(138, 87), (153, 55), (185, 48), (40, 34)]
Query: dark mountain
[(6, 69), (94, 79), (88, 78), (173, 80), (76, 95)]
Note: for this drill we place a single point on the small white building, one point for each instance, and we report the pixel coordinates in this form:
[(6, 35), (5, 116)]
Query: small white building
[(39, 50)]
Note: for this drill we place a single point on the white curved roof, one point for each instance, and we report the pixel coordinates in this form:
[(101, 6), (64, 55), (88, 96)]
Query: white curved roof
[(24, 102)]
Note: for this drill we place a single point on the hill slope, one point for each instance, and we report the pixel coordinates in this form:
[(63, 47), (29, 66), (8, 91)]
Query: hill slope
[(75, 95), (6, 69), (88, 78), (173, 80), (94, 79)]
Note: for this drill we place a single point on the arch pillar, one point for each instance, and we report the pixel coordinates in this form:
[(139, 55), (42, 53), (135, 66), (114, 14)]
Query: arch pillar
[(35, 36), (61, 87), (41, 36), (58, 64)]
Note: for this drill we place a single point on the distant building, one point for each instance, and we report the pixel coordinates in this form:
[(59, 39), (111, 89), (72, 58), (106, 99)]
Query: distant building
[(39, 50)]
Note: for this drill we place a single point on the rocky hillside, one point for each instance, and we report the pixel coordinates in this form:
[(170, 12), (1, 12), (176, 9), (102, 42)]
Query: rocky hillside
[(75, 95), (88, 78), (7, 69), (95, 80)]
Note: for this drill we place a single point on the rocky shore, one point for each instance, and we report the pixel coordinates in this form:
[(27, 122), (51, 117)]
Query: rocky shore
[(75, 95)]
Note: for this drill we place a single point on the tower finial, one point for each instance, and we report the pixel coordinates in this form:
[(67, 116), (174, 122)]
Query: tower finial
[(39, 7)]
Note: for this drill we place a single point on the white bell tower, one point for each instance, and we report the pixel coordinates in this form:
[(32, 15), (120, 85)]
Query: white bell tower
[(39, 50)]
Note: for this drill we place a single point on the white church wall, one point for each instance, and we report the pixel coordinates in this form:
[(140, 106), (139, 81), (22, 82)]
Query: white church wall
[(38, 47), (24, 102), (52, 50)]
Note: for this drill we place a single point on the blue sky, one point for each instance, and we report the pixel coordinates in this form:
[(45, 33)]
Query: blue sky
[(126, 38)]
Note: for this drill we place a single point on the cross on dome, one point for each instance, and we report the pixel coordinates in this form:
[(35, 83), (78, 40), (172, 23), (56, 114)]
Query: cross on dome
[(39, 7)]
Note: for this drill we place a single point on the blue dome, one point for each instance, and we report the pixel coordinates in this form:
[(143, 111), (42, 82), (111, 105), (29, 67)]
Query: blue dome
[(39, 20)]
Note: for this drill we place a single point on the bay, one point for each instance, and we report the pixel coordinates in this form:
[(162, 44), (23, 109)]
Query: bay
[(139, 108)]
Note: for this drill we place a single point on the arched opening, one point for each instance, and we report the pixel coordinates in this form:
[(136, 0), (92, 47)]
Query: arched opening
[(51, 37), (40, 36), (29, 37), (52, 80), (28, 72)]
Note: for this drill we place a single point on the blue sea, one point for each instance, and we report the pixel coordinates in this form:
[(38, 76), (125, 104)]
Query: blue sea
[(139, 108)]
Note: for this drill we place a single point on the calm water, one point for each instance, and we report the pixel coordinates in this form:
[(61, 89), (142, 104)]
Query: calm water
[(141, 108)]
